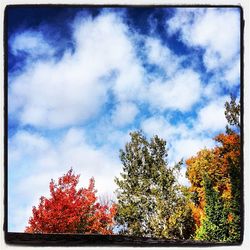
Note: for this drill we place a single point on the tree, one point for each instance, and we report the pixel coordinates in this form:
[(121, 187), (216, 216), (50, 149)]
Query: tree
[(149, 199), (221, 165), (181, 222), (214, 226), (229, 155), (197, 167), (232, 113), (232, 153), (69, 210)]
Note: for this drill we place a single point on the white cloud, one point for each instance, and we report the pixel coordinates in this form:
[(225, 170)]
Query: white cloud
[(34, 160), (124, 114), (57, 94), (159, 125), (215, 30), (188, 15), (211, 118), (117, 137), (107, 43), (161, 55), (129, 84), (31, 42), (155, 126), (232, 74), (187, 147), (182, 177), (179, 93), (212, 89)]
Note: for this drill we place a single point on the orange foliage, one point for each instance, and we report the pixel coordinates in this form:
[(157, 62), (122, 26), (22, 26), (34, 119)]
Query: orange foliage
[(215, 163), (198, 214)]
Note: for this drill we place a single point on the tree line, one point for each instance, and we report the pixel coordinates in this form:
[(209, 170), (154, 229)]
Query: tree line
[(149, 200)]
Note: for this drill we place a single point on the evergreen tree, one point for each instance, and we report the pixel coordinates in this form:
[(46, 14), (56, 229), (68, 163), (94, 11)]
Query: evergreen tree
[(148, 196)]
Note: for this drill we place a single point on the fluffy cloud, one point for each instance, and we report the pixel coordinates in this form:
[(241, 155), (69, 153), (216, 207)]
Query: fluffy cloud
[(162, 56), (159, 125), (188, 147), (42, 159), (215, 30), (232, 74), (54, 94), (124, 114), (30, 42), (179, 93), (211, 118)]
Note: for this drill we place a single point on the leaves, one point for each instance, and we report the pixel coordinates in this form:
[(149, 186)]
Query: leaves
[(69, 210), (149, 199), (150, 202), (221, 166), (214, 226)]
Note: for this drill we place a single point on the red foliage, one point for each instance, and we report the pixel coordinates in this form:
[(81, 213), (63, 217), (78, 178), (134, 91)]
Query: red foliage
[(69, 210)]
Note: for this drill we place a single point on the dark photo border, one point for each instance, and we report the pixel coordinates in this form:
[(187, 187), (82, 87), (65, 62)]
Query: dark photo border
[(108, 240)]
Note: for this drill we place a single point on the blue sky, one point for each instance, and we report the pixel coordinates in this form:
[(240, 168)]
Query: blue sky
[(81, 79)]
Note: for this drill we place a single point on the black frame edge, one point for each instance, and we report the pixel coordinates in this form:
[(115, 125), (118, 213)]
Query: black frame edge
[(12, 238)]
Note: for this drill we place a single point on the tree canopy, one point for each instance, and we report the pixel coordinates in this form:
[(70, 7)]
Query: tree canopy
[(215, 182), (69, 210), (149, 198)]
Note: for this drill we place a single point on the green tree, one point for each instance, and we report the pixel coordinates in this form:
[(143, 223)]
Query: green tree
[(149, 199), (232, 113), (215, 225), (234, 207)]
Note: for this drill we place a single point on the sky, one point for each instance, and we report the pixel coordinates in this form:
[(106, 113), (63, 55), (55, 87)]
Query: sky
[(81, 79)]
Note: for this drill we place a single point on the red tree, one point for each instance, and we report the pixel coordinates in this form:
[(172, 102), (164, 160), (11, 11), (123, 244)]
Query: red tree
[(69, 210)]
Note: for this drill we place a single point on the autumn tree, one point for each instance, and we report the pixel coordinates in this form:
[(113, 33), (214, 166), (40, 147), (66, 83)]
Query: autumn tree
[(149, 199), (230, 157), (197, 167), (221, 167), (69, 210)]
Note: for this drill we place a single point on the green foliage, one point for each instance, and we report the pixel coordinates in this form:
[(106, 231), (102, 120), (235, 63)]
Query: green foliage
[(234, 206), (232, 114), (215, 225), (149, 199), (216, 203), (181, 222)]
